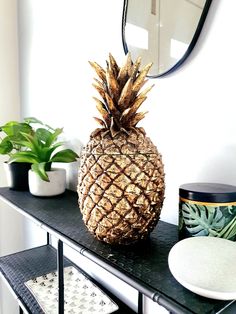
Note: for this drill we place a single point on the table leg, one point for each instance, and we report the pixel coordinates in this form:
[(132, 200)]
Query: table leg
[(48, 238), (60, 270), (140, 303)]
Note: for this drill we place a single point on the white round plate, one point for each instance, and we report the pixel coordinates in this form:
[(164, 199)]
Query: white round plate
[(206, 266)]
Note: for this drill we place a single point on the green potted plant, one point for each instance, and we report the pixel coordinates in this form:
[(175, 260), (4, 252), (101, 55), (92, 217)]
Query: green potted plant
[(11, 143), (43, 149)]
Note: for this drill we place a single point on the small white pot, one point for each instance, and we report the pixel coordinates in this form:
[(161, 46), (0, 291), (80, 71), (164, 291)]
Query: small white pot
[(56, 186)]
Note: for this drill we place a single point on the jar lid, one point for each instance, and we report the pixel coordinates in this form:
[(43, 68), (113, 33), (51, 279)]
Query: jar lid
[(208, 192)]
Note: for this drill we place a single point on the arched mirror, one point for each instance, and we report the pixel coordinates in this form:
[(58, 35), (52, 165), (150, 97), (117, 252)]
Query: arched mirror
[(162, 31)]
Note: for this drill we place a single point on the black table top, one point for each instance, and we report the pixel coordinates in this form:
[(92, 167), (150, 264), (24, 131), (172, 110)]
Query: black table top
[(144, 265)]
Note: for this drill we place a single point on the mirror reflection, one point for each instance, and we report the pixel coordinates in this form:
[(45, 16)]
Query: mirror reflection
[(162, 31)]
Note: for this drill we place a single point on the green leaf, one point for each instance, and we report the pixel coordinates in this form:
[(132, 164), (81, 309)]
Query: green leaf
[(22, 143), (33, 143), (25, 156), (18, 141), (202, 220), (58, 144), (54, 136), (40, 170), (30, 120), (229, 231), (65, 155), (5, 146), (13, 128), (43, 135), (9, 127), (231, 210), (46, 153)]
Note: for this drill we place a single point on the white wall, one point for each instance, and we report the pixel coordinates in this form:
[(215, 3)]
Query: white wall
[(10, 222), (191, 112)]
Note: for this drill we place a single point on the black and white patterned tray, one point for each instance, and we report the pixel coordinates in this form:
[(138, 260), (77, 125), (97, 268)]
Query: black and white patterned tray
[(81, 295)]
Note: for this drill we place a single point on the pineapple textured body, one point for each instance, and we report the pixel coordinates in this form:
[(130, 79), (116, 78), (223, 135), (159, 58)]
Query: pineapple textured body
[(121, 177), (121, 186)]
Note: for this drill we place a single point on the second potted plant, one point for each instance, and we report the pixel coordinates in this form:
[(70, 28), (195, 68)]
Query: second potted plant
[(43, 149), (11, 143)]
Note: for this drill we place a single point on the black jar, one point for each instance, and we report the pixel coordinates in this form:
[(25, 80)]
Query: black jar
[(207, 209)]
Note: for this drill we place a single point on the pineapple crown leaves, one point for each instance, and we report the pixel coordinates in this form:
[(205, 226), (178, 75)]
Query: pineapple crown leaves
[(119, 89)]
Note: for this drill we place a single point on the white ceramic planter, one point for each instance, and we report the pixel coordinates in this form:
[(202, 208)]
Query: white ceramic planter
[(56, 186)]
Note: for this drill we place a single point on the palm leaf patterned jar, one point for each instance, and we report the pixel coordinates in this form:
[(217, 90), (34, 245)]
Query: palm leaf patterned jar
[(207, 209)]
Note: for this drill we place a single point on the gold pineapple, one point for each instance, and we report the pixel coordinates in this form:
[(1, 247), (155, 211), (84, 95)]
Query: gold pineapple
[(121, 176)]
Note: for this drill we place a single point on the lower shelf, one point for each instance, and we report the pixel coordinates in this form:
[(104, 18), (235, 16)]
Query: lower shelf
[(21, 267)]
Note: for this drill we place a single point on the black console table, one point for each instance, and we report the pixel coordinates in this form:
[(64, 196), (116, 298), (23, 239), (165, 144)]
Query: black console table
[(143, 266)]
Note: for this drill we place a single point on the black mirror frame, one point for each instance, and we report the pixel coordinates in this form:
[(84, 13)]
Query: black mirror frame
[(191, 45)]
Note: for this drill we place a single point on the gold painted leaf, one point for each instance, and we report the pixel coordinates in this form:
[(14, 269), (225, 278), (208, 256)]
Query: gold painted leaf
[(100, 91), (101, 107), (145, 91), (138, 83), (126, 95), (99, 70), (113, 86), (124, 70), (135, 68), (112, 109), (101, 122), (113, 65), (136, 118)]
